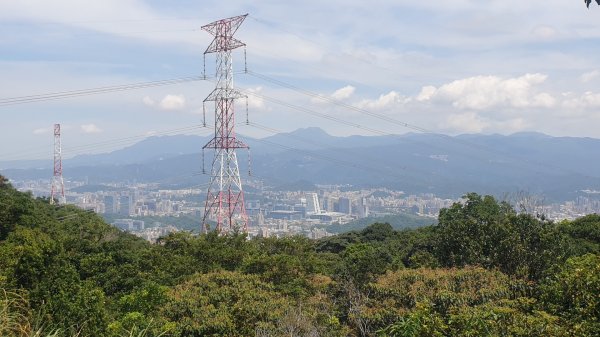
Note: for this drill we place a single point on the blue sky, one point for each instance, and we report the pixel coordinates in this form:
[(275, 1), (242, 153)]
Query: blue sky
[(455, 66)]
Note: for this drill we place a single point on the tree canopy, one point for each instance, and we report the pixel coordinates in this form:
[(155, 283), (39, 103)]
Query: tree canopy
[(484, 269)]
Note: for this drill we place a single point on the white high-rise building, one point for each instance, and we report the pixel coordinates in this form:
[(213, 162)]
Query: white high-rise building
[(312, 204)]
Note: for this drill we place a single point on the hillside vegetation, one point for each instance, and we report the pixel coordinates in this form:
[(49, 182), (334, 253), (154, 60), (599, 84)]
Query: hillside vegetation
[(483, 270)]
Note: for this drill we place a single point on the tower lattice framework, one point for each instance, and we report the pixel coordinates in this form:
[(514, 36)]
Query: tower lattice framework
[(225, 197), (58, 185)]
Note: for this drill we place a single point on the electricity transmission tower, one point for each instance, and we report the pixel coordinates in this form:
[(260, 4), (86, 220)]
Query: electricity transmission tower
[(58, 184), (225, 197)]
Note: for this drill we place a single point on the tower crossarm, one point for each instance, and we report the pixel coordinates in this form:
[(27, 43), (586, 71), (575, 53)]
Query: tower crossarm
[(223, 44), (223, 93), (225, 143)]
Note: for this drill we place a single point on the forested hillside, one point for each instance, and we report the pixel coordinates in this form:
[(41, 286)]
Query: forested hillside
[(483, 270)]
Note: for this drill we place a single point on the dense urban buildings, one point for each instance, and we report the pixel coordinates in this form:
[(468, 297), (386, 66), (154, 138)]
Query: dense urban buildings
[(271, 212)]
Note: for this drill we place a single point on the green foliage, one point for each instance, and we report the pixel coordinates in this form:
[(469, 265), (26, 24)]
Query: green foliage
[(378, 232), (574, 293), (583, 233), (484, 232), (144, 300), (471, 302), (288, 272), (68, 303), (421, 322), (221, 251), (223, 304), (15, 208), (400, 246), (505, 318), (364, 262), (467, 231), (485, 270), (443, 288)]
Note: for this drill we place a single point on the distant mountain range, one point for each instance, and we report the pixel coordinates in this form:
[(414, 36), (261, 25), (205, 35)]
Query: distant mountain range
[(558, 167)]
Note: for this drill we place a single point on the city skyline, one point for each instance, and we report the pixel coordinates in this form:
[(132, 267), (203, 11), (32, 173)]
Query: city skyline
[(466, 67)]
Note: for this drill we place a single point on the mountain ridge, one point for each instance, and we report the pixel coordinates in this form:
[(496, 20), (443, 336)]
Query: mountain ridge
[(416, 163)]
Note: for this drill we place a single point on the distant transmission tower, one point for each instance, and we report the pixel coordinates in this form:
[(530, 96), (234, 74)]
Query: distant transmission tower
[(58, 184), (225, 197)]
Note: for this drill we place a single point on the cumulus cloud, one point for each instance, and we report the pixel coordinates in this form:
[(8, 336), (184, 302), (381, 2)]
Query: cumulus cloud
[(426, 93), (469, 122), (384, 101), (90, 128), (589, 76), (584, 101), (484, 92), (169, 102), (343, 93), (255, 101), (340, 94), (172, 102)]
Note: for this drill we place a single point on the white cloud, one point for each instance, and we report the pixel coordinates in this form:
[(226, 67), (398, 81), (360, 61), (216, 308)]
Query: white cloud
[(589, 76), (343, 93), (340, 94), (468, 122), (255, 101), (484, 92), (543, 100), (169, 102), (90, 128), (384, 101), (584, 101), (172, 102), (426, 93)]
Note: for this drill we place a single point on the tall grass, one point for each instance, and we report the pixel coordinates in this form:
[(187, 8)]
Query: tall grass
[(16, 320), (14, 315)]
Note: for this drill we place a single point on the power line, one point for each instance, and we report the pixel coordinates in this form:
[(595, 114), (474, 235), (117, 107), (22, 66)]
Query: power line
[(112, 21), (340, 103), (79, 149), (102, 90), (106, 143), (94, 91)]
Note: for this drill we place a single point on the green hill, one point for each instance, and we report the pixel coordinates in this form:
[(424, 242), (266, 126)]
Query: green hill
[(483, 270)]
